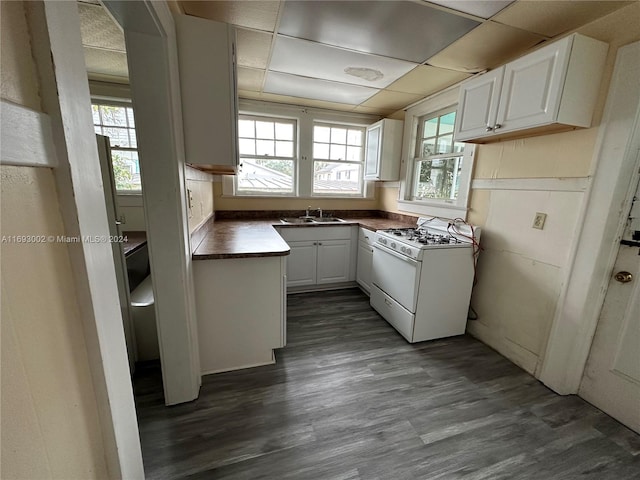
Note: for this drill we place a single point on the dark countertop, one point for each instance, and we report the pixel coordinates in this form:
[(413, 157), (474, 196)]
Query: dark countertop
[(259, 238), (135, 241)]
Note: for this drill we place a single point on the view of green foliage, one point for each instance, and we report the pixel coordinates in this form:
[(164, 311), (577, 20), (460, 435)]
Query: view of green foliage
[(122, 173)]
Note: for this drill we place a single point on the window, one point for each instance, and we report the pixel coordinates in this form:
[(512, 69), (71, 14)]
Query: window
[(268, 154), (337, 159), (438, 170), (438, 159), (116, 121)]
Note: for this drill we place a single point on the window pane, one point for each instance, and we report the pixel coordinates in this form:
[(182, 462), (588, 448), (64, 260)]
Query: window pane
[(354, 154), (126, 170), (438, 179), (430, 128), (354, 137), (119, 137), (338, 152), (446, 123), (266, 176), (112, 115), (444, 144), (284, 131), (321, 150), (339, 135), (336, 178), (264, 147), (131, 118), (428, 147), (458, 147), (96, 114), (247, 146), (284, 149), (98, 129), (321, 134), (245, 128), (264, 130)]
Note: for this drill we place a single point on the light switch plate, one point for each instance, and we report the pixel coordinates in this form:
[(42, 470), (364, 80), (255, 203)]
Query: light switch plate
[(538, 220)]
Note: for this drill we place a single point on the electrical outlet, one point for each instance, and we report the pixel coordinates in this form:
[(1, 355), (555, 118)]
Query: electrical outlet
[(538, 220)]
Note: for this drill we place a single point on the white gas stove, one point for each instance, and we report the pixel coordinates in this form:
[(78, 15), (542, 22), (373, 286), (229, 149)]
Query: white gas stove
[(423, 276), (429, 233)]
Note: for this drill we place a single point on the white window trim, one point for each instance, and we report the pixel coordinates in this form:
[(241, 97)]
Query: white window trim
[(126, 103), (442, 208), (295, 158), (306, 117)]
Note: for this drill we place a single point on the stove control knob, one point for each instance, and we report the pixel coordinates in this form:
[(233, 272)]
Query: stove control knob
[(393, 244), (403, 249), (408, 252), (383, 241)]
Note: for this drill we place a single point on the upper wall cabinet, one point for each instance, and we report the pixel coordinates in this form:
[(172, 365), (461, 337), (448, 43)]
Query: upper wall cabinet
[(552, 89), (207, 51), (384, 145)]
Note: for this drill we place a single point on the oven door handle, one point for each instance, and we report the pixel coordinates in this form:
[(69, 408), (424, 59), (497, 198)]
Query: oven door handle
[(384, 249)]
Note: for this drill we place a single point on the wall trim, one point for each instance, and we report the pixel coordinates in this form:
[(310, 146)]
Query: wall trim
[(27, 137), (577, 184), (600, 225)]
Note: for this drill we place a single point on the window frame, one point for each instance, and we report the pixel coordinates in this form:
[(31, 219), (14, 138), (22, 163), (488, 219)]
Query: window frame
[(123, 104), (360, 180), (295, 159), (305, 116), (448, 208)]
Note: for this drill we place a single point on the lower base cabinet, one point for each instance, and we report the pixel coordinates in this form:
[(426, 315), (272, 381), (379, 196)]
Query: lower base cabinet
[(320, 255), (366, 239), (241, 310)]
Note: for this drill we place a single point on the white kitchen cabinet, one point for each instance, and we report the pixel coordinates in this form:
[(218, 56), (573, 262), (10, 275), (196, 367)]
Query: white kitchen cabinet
[(320, 256), (551, 89), (365, 259), (207, 63), (241, 311), (301, 264), (383, 150), (333, 261)]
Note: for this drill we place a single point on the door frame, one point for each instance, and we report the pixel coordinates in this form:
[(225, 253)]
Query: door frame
[(603, 215), (152, 58)]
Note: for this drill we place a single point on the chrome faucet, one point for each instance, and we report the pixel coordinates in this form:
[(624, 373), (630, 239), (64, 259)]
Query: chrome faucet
[(319, 211)]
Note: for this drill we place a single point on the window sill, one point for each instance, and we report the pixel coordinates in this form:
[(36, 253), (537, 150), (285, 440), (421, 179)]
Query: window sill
[(434, 209)]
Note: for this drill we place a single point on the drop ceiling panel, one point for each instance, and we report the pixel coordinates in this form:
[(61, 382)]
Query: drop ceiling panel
[(253, 48), (260, 15), (98, 28), (388, 100), (553, 18), (488, 46), (425, 80), (479, 8), (250, 79), (400, 29), (315, 89), (310, 59)]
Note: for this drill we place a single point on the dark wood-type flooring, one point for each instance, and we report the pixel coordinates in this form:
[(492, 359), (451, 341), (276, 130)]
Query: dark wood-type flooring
[(351, 399)]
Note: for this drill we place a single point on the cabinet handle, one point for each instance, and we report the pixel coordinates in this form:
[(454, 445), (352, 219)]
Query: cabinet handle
[(497, 126), (319, 243), (489, 129), (315, 243), (387, 302)]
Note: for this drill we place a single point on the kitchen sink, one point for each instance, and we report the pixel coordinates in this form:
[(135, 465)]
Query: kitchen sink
[(300, 220), (297, 220), (328, 220)]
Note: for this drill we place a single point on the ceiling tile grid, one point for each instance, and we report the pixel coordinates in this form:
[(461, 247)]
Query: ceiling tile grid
[(370, 56)]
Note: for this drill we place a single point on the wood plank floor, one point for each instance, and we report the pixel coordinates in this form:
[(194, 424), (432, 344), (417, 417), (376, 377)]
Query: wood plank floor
[(351, 399)]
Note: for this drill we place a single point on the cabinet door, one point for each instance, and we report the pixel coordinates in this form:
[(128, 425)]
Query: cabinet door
[(478, 106), (363, 271), (532, 88), (301, 263), (333, 261), (374, 148), (206, 54)]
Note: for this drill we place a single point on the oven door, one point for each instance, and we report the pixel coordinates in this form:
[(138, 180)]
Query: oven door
[(396, 275)]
